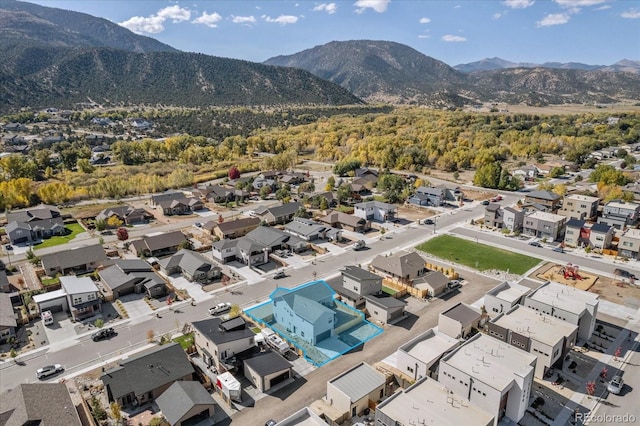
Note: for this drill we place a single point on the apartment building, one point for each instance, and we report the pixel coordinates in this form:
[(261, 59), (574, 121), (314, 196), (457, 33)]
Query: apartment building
[(582, 207)]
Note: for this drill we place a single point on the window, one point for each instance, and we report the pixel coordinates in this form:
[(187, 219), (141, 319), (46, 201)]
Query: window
[(410, 369)]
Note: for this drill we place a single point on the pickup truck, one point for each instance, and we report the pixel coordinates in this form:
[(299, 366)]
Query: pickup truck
[(220, 308)]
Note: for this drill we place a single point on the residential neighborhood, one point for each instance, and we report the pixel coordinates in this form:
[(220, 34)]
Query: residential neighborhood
[(232, 336)]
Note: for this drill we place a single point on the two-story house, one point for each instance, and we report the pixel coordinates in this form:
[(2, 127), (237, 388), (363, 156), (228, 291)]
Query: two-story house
[(217, 340), (549, 200), (233, 228), (620, 214), (375, 210), (490, 374), (493, 215), (544, 225), (405, 266), (629, 244), (278, 215), (83, 297), (512, 219), (581, 207), (306, 311)]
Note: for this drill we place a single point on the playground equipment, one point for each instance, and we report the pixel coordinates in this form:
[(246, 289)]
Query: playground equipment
[(571, 272)]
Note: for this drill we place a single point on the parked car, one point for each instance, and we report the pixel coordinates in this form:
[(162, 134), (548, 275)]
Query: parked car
[(8, 247), (624, 273), (429, 222), (220, 308), (615, 385), (486, 202), (48, 370), (558, 249), (105, 333), (278, 275), (270, 422), (453, 284), (359, 245), (535, 244)]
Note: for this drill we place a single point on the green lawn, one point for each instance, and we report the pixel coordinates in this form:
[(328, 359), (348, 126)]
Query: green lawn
[(478, 256), (49, 281), (186, 340), (75, 229)]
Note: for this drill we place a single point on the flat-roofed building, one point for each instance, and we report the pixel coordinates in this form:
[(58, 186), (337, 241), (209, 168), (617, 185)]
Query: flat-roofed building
[(581, 207), (620, 214), (419, 357), (302, 417), (544, 225), (548, 338), (427, 402), (353, 390), (459, 320), (629, 244), (491, 374), (504, 296), (570, 304)]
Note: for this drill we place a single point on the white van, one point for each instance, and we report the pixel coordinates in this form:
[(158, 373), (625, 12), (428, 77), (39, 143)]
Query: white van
[(47, 317)]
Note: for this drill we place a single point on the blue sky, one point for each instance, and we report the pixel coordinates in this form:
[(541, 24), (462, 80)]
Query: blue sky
[(590, 31)]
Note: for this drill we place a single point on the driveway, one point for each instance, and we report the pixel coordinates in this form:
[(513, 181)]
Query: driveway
[(194, 289), (135, 305)]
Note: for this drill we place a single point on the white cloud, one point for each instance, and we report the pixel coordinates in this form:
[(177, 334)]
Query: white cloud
[(154, 24), (243, 19), (175, 12), (424, 36), (379, 6), (330, 8), (553, 19), (139, 24), (209, 19), (453, 38), (518, 4), (497, 15), (578, 3), (282, 19), (631, 14), (425, 20)]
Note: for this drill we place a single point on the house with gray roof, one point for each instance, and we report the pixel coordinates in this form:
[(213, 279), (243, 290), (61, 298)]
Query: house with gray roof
[(267, 369), (219, 341), (306, 311), (5, 285), (158, 245), (459, 320), (346, 221), (83, 297), (38, 404), (306, 229), (128, 276), (434, 282), (192, 265), (375, 210), (176, 202), (383, 308), (27, 226), (620, 214), (493, 215), (278, 215), (186, 403), (75, 260), (404, 266), (601, 235), (549, 200), (8, 323), (353, 391), (144, 377), (127, 214), (432, 196)]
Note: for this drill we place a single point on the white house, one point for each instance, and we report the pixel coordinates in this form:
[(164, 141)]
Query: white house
[(570, 304), (375, 210), (490, 374), (544, 336), (419, 357), (504, 296)]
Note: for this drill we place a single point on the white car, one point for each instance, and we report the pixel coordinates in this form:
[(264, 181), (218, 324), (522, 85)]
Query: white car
[(48, 370), (220, 308), (615, 385)]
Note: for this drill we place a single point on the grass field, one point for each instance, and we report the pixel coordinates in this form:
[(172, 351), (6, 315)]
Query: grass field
[(478, 256), (186, 340), (75, 229)]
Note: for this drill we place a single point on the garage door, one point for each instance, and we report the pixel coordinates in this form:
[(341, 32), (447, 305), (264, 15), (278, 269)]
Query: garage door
[(55, 308), (281, 378)]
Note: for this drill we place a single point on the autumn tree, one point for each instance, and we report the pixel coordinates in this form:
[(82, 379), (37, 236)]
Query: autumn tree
[(114, 222), (234, 173), (122, 234), (343, 168), (331, 183), (590, 387), (265, 191)]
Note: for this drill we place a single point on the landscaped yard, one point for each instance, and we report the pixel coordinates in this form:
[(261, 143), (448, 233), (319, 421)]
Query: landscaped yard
[(478, 256), (75, 229), (186, 340)]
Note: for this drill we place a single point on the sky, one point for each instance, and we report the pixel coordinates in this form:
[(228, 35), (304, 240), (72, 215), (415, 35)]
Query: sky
[(596, 32)]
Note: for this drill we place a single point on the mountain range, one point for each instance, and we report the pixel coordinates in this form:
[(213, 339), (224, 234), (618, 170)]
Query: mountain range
[(54, 57), (490, 64)]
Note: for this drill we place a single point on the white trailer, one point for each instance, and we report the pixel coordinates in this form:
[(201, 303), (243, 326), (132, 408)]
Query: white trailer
[(229, 387), (275, 341)]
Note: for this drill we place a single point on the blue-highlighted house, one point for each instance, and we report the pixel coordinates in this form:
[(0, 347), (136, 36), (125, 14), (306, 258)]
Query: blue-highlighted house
[(306, 311), (310, 318)]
